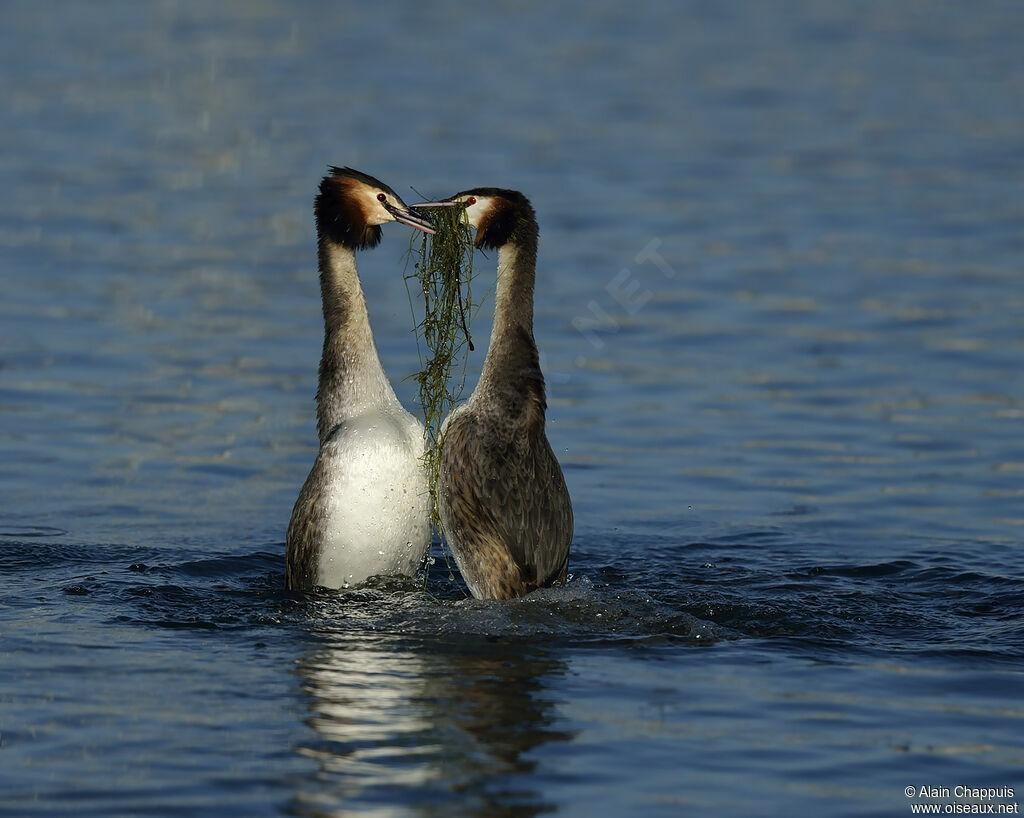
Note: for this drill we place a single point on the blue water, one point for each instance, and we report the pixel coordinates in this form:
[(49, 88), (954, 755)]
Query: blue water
[(781, 314)]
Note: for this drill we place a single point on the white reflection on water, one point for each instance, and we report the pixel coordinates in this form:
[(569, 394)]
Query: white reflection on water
[(428, 727)]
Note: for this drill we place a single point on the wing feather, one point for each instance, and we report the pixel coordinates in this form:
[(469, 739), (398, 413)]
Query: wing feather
[(505, 506)]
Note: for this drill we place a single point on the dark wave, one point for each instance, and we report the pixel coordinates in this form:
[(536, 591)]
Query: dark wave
[(676, 593)]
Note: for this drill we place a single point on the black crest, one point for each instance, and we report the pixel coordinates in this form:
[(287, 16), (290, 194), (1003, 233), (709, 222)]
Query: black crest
[(339, 214), (511, 219)]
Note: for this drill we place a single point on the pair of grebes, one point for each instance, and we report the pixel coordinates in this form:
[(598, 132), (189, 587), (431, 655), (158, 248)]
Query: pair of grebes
[(364, 510)]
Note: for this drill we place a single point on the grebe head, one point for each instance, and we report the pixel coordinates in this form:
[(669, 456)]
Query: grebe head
[(498, 215), (352, 206)]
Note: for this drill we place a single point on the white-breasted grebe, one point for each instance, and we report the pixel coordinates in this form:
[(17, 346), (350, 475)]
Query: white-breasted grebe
[(365, 507)]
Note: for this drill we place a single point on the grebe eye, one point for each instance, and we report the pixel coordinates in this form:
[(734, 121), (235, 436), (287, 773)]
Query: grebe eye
[(381, 197), (471, 200)]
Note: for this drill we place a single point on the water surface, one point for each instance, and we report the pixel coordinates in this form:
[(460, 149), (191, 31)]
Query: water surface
[(780, 313)]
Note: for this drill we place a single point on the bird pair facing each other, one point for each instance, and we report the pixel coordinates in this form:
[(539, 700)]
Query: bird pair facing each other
[(365, 507)]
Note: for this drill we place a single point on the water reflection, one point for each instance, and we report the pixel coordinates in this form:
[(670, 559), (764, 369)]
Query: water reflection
[(427, 724)]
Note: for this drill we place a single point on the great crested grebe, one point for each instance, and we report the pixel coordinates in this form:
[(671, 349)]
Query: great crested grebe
[(504, 504), (364, 509)]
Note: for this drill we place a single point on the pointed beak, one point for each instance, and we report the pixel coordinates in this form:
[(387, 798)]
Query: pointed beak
[(437, 204), (407, 217)]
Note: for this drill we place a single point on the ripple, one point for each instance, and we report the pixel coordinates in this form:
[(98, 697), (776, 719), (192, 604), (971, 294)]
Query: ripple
[(31, 531)]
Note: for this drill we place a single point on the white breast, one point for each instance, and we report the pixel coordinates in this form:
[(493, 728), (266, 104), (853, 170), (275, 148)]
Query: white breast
[(377, 517)]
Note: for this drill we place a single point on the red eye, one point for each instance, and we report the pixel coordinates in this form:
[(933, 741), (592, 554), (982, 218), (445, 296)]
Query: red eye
[(381, 197), (471, 200)]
